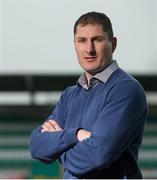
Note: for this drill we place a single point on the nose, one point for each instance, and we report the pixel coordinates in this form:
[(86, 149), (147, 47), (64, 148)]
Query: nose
[(91, 49)]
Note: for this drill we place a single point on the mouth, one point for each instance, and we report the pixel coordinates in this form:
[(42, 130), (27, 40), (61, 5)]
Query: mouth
[(90, 58)]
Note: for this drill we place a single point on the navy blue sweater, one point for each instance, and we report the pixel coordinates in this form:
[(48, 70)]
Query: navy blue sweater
[(114, 112)]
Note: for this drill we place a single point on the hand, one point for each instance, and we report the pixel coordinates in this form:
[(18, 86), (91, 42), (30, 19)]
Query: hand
[(51, 126), (83, 134)]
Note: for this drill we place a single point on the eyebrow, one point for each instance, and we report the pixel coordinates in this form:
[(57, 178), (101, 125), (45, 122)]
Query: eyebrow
[(94, 37)]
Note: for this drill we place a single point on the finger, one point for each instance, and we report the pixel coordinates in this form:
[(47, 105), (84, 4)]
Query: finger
[(48, 127), (44, 128), (56, 125)]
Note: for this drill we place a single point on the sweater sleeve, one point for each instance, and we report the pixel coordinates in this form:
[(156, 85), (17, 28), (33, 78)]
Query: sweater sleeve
[(121, 119), (48, 146)]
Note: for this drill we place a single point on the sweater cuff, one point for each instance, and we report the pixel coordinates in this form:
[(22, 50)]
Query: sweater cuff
[(70, 136)]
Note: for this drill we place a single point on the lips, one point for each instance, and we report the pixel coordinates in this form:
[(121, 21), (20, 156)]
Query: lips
[(90, 58)]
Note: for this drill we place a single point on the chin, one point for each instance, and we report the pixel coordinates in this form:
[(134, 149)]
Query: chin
[(91, 71), (94, 71)]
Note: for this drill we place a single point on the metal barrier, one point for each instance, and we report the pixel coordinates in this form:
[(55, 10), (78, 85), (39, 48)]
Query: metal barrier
[(26, 100)]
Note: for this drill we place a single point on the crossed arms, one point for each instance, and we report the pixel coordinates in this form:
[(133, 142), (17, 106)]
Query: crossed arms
[(53, 126), (82, 151)]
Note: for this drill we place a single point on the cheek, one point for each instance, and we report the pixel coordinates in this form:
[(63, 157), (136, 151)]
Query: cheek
[(101, 51), (78, 50), (79, 56), (106, 51)]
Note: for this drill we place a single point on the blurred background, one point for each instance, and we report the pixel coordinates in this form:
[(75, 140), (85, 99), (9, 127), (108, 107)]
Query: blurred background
[(37, 62)]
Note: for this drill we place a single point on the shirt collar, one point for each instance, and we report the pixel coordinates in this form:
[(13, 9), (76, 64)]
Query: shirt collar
[(101, 76)]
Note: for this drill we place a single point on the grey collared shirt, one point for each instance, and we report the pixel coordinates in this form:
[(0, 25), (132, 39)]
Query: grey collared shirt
[(103, 76)]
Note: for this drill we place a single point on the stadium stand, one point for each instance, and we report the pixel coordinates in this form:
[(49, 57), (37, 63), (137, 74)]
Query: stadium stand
[(26, 100)]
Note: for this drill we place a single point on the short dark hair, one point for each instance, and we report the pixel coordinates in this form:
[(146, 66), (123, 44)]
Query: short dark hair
[(95, 18)]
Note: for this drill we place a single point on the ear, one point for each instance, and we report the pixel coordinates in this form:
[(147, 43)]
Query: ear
[(114, 44)]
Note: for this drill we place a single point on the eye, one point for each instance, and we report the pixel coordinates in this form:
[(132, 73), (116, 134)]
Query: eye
[(99, 39), (81, 40)]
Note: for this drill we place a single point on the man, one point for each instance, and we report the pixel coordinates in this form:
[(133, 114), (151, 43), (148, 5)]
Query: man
[(97, 126)]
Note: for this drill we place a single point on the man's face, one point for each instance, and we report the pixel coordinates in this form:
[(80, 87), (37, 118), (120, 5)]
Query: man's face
[(93, 48)]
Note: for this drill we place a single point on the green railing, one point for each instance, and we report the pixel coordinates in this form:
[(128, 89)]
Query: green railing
[(15, 157), (17, 122)]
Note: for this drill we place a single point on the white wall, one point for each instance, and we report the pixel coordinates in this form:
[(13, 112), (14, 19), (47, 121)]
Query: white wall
[(37, 35), (0, 36)]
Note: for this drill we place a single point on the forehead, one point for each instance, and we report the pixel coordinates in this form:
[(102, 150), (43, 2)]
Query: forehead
[(89, 29)]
